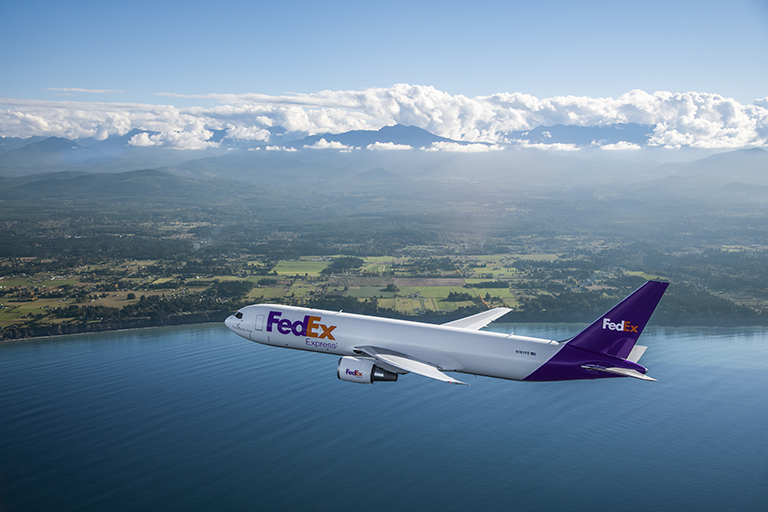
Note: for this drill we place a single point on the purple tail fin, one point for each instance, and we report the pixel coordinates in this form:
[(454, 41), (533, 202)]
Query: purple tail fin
[(616, 332)]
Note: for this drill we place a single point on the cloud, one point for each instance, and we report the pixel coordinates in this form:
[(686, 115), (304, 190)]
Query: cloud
[(242, 132), (68, 90), (455, 147), (619, 146), (324, 144), (143, 140), (77, 119), (192, 136), (678, 119), (388, 146), (555, 146)]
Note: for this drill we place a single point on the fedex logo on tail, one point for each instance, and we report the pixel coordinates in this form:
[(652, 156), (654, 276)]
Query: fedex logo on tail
[(621, 326), (310, 326)]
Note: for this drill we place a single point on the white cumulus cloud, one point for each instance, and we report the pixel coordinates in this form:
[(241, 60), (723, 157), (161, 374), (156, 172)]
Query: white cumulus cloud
[(555, 146), (455, 147), (324, 144), (242, 132), (143, 139), (677, 119), (388, 146), (619, 146)]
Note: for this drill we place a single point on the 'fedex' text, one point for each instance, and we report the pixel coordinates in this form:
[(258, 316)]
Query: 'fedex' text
[(310, 326), (621, 326)]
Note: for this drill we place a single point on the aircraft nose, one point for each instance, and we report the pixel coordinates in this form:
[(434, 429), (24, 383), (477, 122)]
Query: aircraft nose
[(230, 322)]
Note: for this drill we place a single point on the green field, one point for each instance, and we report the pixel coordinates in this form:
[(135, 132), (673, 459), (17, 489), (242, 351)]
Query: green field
[(368, 292), (536, 257), (644, 275), (267, 293), (300, 267)]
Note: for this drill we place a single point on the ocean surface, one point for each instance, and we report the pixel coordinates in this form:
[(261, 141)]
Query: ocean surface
[(196, 418)]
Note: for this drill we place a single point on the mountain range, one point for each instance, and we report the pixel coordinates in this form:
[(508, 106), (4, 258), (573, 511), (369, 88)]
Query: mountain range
[(38, 154), (397, 134), (329, 158)]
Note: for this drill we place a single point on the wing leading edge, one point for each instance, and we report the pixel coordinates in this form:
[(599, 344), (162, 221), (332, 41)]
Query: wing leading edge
[(480, 320)]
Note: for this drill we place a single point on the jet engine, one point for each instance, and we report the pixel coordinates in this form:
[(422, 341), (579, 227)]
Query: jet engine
[(362, 370)]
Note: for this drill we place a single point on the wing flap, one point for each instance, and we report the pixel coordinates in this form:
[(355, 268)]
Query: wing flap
[(408, 364), (480, 320)]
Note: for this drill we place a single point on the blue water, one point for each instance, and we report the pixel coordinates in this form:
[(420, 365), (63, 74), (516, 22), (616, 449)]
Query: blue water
[(196, 418)]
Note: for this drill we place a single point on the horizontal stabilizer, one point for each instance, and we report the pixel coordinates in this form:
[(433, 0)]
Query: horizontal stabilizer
[(405, 363), (480, 320), (624, 372)]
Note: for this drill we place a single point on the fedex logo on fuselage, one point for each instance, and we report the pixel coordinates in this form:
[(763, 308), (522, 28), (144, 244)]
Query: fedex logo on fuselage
[(621, 326), (310, 326)]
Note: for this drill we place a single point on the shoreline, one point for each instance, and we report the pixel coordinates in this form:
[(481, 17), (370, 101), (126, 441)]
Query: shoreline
[(52, 331), (212, 317), (127, 329)]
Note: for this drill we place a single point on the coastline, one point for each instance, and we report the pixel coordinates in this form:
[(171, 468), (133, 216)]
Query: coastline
[(209, 317), (50, 331)]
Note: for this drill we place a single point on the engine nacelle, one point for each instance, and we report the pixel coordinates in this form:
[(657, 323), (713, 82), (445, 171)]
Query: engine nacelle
[(362, 370)]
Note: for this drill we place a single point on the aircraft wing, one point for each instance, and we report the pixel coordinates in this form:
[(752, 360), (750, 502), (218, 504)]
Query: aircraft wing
[(480, 320), (408, 364)]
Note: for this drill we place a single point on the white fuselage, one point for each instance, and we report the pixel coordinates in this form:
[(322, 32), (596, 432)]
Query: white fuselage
[(449, 348)]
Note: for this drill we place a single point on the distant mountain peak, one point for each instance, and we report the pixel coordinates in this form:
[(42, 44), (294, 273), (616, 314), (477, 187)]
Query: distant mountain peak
[(55, 144), (393, 134)]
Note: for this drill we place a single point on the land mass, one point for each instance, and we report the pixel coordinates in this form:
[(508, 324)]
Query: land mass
[(424, 236)]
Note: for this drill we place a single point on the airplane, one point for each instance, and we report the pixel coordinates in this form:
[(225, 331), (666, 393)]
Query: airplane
[(375, 349)]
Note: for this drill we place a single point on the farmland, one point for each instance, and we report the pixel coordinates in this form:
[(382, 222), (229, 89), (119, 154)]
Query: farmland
[(431, 286), (34, 299), (185, 251)]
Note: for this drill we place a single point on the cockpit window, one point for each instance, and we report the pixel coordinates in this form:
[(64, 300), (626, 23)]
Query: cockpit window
[(239, 315)]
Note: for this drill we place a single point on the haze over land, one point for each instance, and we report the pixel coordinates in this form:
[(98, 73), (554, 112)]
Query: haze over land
[(107, 232)]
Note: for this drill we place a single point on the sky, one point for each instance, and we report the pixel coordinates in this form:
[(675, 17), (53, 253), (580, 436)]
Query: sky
[(67, 60)]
